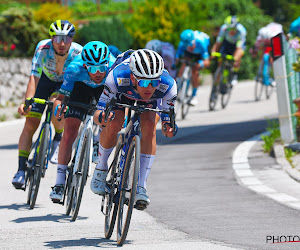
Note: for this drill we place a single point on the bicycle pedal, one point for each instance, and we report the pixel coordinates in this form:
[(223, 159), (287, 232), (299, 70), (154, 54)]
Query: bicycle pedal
[(140, 205)]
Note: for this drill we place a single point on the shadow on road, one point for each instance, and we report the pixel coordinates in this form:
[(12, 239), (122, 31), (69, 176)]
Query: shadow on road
[(9, 147), (84, 242), (222, 133), (48, 217)]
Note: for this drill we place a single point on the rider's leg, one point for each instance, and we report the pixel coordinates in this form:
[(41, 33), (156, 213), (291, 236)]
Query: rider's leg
[(65, 149), (59, 128), (25, 141), (107, 141), (147, 156)]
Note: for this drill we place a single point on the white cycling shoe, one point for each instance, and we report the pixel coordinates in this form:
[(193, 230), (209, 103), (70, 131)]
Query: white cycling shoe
[(142, 199), (19, 180), (54, 152), (193, 101), (98, 181), (57, 193)]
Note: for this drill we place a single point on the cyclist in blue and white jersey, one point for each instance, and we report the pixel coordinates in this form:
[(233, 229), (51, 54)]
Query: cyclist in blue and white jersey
[(167, 52), (231, 41), (83, 80), (193, 46), (294, 29), (140, 78), (49, 63)]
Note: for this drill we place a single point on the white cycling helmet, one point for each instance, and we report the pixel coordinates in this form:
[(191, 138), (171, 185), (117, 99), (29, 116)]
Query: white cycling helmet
[(146, 63), (154, 45)]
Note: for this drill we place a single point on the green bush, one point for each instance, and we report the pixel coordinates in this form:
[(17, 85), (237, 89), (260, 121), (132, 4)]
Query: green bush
[(166, 19), (83, 9), (110, 31), (19, 33)]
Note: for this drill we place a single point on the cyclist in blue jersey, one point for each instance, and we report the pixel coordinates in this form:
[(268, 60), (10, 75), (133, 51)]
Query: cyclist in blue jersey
[(114, 50), (231, 41), (50, 60), (294, 29), (193, 46), (140, 78), (83, 80), (167, 52)]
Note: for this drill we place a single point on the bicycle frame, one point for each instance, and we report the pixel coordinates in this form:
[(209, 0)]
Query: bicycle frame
[(36, 144)]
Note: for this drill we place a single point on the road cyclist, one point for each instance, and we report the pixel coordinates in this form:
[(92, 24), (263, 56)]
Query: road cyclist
[(84, 79), (49, 63), (193, 47), (231, 41), (263, 78), (294, 29), (141, 78)]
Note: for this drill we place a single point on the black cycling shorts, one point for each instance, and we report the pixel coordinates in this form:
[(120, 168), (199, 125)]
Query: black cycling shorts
[(82, 93)]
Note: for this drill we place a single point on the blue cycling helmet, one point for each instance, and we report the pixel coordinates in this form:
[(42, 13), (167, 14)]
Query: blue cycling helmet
[(187, 36), (95, 53), (231, 21), (61, 28)]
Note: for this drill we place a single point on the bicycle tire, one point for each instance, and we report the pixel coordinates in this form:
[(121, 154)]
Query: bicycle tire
[(80, 175), (41, 158), (129, 187), (225, 96), (29, 183), (258, 90), (213, 98), (111, 207), (69, 190), (268, 90), (184, 103)]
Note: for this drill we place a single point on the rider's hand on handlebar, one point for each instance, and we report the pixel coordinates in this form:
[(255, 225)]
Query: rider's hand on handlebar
[(167, 130), (21, 110), (101, 118), (58, 113)]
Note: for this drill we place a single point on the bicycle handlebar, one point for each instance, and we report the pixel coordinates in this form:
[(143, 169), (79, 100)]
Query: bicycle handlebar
[(29, 101), (218, 54), (139, 108)]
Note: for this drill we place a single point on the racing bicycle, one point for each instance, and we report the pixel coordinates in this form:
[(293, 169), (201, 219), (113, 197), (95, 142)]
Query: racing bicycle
[(38, 159), (263, 79), (122, 179), (222, 81), (184, 90), (79, 169)]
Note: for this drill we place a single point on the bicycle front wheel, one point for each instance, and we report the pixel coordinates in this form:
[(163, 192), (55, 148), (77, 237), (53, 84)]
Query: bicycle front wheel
[(226, 96), (259, 86), (128, 189), (41, 158), (80, 176), (184, 99), (111, 207), (213, 97)]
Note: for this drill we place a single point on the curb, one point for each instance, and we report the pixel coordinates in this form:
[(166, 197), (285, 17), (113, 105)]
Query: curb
[(286, 166)]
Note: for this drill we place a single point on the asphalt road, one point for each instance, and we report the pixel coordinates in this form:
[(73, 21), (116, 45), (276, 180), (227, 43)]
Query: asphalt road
[(196, 201)]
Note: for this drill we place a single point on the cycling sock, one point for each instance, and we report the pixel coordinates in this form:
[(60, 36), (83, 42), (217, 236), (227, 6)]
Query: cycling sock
[(103, 157), (96, 137), (61, 174), (146, 162), (194, 91), (58, 134), (23, 157)]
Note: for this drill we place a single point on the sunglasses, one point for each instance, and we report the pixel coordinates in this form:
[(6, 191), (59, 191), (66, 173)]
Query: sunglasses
[(101, 68), (144, 83), (58, 39)]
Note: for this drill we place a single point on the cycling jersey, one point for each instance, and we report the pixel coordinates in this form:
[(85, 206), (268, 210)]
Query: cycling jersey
[(239, 38), (44, 60), (77, 73), (118, 84), (295, 27), (202, 42)]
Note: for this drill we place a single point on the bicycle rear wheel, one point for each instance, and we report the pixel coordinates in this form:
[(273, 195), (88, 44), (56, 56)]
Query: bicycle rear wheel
[(259, 86), (111, 207), (128, 189), (80, 177), (41, 158), (268, 90), (69, 189)]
